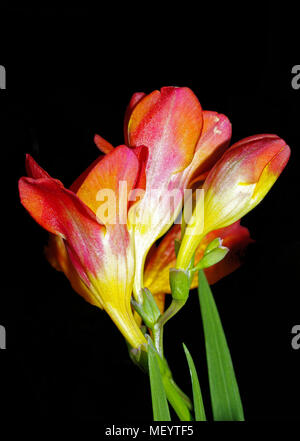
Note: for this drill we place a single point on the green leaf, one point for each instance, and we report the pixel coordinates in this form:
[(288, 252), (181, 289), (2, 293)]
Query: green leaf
[(159, 400), (178, 400), (225, 396), (197, 396)]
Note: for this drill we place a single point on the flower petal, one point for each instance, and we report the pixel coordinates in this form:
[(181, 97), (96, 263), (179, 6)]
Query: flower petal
[(214, 140), (160, 301), (33, 170), (57, 256), (103, 145), (159, 261), (169, 123), (136, 97), (61, 212), (120, 165), (142, 154), (81, 178)]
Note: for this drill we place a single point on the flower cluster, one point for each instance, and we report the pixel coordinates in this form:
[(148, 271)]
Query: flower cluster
[(171, 145)]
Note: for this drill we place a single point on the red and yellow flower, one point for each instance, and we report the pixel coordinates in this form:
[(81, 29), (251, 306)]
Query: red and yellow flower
[(171, 145), (95, 254)]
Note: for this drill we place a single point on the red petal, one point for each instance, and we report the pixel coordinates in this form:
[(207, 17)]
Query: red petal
[(61, 212), (142, 153), (214, 140), (169, 123), (33, 170), (252, 155)]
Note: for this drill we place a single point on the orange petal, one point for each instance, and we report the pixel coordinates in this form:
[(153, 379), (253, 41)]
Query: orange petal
[(160, 301), (103, 145), (78, 182), (122, 164), (159, 261)]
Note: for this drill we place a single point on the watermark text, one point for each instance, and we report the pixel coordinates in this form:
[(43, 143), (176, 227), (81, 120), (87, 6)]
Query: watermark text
[(296, 77), (296, 339), (2, 337), (2, 77)]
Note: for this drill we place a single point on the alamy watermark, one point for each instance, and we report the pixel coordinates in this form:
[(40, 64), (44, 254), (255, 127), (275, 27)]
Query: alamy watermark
[(296, 339), (2, 337), (296, 78), (113, 207), (2, 77)]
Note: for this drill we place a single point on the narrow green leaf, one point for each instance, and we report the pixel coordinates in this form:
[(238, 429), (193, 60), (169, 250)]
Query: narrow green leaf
[(177, 399), (197, 396), (159, 400), (225, 396)]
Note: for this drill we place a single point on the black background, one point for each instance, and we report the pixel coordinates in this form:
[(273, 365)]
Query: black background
[(70, 74)]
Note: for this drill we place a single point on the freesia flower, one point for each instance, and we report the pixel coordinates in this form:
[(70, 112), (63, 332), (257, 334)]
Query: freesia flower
[(162, 258), (183, 143), (96, 254), (234, 186), (169, 124)]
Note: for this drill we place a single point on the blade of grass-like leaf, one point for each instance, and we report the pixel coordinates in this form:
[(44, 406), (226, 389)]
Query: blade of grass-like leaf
[(159, 401), (177, 400), (225, 396), (197, 396)]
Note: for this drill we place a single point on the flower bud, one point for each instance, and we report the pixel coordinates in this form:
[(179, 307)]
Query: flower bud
[(235, 185)]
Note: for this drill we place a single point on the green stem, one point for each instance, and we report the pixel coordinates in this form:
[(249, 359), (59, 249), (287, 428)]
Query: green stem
[(158, 328), (180, 402)]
